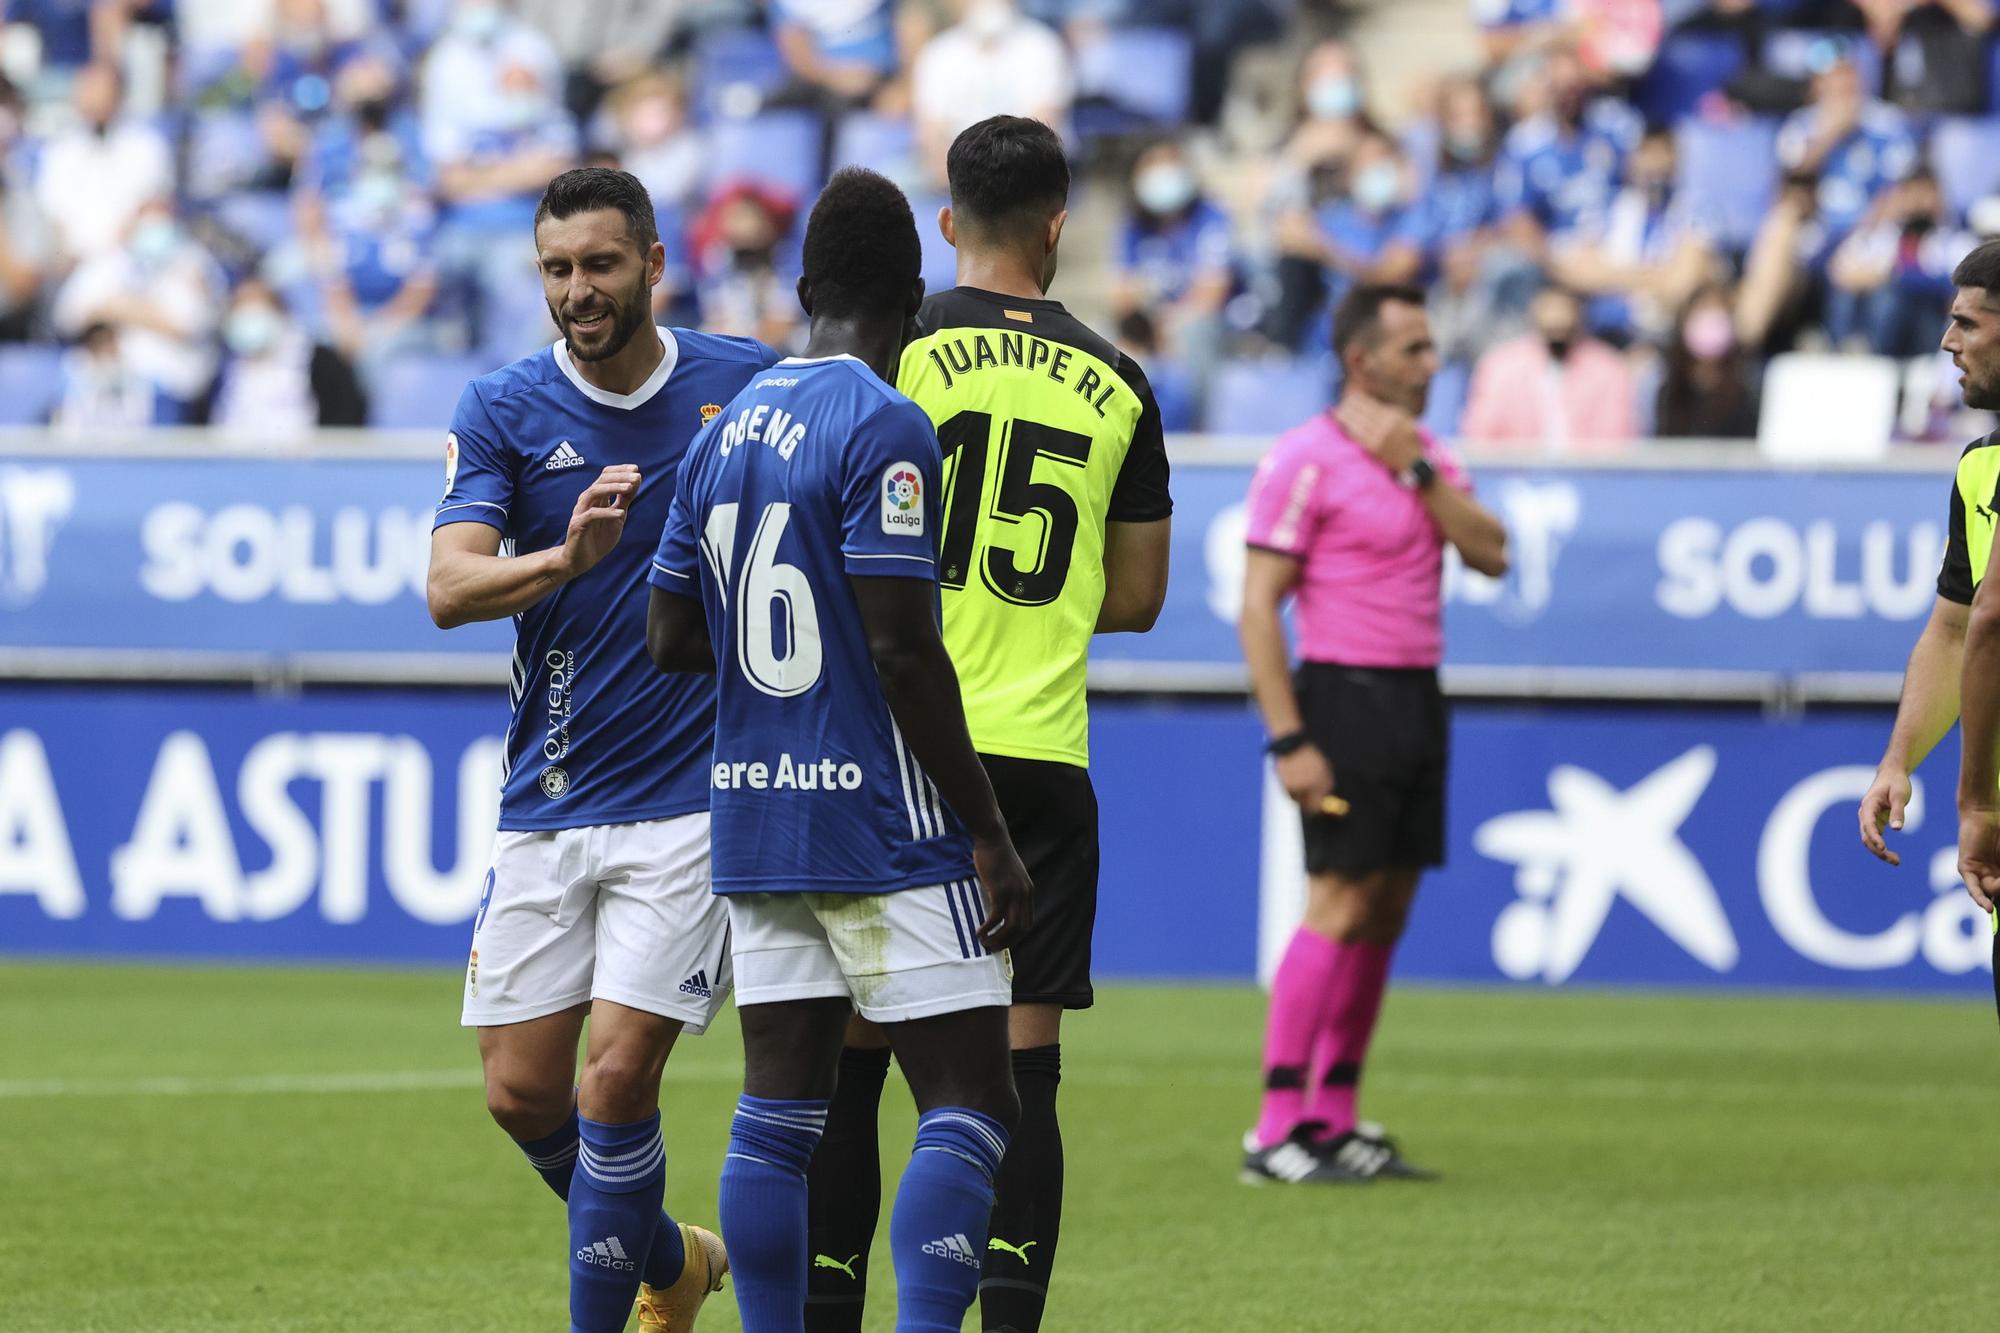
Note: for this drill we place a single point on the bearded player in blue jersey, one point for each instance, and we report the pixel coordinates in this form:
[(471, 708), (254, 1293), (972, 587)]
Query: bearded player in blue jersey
[(598, 902), (856, 838)]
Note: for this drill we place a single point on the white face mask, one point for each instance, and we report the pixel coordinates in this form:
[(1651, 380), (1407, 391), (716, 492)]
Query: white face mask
[(251, 329), (1165, 188), (989, 18), (1333, 97), (1376, 186), (479, 23), (155, 240)]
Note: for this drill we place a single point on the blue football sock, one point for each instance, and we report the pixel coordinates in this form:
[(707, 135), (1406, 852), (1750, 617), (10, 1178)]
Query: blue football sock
[(764, 1208), (614, 1209), (554, 1159), (937, 1232)]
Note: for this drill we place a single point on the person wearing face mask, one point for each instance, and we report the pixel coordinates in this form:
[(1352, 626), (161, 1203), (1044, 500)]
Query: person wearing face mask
[(1176, 259), (735, 246), (276, 383), (1889, 281), (993, 61), (160, 291), (94, 176), (372, 248), (1708, 391), (1329, 117), (1365, 232), (654, 138), (1638, 258), (1554, 390)]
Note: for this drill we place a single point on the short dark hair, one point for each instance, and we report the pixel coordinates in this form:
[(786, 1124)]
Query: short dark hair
[(1359, 313), (587, 189), (1979, 269), (861, 252), (1005, 171)]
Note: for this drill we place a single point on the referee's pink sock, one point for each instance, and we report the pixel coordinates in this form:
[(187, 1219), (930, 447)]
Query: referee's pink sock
[(1347, 1023), (1298, 1000)]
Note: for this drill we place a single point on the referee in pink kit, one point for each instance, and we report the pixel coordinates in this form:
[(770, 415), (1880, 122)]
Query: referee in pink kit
[(1350, 513)]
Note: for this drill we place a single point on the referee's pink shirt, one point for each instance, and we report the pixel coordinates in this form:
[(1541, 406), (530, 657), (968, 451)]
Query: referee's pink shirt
[(1371, 557)]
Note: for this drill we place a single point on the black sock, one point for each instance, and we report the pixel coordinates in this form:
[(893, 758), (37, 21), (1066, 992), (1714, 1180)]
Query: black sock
[(844, 1195), (1027, 1202)]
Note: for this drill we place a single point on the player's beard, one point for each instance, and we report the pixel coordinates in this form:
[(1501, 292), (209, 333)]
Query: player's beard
[(626, 317), (1982, 394)]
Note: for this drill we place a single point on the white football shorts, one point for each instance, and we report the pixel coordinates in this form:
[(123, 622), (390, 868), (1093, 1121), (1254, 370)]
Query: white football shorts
[(896, 956), (619, 912)]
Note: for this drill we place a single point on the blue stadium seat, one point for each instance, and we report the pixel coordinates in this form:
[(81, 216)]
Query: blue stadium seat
[(734, 71), (1965, 154), (884, 143), (1134, 77), (224, 150), (30, 383), (778, 148), (1265, 397), (940, 269), (1689, 66), (1729, 175), (420, 392), (262, 218)]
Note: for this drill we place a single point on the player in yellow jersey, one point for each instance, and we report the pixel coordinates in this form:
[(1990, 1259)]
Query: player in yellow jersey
[(1056, 528)]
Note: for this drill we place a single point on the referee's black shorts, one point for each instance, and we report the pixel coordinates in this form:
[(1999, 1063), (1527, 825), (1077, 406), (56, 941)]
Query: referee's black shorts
[(1051, 812), (1385, 732)]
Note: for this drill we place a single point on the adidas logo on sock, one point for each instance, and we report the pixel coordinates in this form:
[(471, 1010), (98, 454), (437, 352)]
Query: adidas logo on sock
[(698, 985), (607, 1253), (954, 1247), (564, 456)]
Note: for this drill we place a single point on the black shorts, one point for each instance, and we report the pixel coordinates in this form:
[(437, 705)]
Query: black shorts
[(1386, 734), (1051, 812)]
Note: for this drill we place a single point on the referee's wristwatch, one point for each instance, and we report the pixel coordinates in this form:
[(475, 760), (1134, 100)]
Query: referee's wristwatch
[(1419, 475), (1289, 743)]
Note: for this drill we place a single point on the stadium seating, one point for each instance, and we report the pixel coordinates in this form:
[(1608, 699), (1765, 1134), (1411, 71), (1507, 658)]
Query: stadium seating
[(886, 143), (1690, 65), (420, 392), (778, 148), (30, 383), (1965, 154), (262, 219), (1728, 174), (1132, 78), (1263, 397), (1820, 407), (734, 71)]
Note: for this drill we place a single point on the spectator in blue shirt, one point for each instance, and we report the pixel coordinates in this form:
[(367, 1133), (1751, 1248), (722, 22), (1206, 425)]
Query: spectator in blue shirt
[(1176, 258), (1889, 283), (840, 52), (373, 239), (1854, 145), (1640, 259), (1561, 163), (1365, 231)]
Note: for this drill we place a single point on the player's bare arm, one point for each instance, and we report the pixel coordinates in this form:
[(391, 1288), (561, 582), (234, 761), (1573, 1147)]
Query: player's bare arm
[(1390, 433), (1135, 575), (1268, 577), (1924, 713), (470, 580), (1979, 763), (677, 634), (922, 692)]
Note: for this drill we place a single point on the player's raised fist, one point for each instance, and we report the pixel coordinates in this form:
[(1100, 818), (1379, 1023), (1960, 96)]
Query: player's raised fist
[(599, 517), (1009, 893)]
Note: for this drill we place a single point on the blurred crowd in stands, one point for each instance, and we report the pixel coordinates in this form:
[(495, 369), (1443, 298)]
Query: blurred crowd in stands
[(267, 215)]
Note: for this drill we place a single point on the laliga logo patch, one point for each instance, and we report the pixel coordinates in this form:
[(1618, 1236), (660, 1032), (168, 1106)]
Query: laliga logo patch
[(709, 412), (450, 462), (554, 782), (903, 501)]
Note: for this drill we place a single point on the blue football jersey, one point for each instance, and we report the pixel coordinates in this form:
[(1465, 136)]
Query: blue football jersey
[(599, 735), (816, 472)]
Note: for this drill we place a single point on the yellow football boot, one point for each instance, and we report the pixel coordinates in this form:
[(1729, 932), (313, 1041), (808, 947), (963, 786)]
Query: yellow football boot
[(673, 1310)]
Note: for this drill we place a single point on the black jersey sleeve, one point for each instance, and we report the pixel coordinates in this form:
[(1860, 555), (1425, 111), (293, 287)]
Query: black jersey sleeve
[(1954, 581), (1141, 495)]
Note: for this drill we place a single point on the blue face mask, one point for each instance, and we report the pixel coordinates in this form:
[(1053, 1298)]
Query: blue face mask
[(1164, 189), (155, 240), (1376, 186), (479, 23), (250, 329), (1333, 97)]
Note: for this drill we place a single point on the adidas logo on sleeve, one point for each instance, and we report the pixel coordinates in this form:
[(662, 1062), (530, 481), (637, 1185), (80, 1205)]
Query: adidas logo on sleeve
[(565, 455)]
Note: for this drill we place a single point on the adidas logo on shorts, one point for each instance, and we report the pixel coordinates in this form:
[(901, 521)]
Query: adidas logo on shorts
[(697, 985)]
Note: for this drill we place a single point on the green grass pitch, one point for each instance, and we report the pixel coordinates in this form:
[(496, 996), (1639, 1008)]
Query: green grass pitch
[(263, 1149)]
